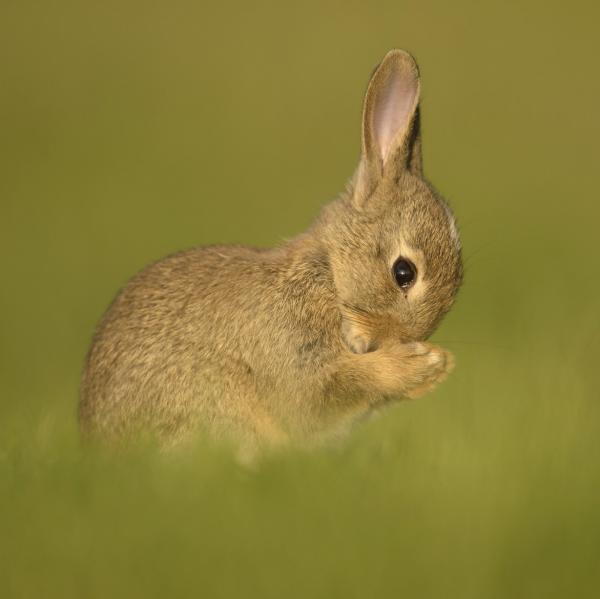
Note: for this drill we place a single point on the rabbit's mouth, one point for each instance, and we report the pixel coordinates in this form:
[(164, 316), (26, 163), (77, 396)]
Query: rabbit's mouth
[(364, 332), (358, 329)]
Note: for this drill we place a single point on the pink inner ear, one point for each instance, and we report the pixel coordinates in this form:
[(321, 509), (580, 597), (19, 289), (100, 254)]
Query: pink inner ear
[(392, 111)]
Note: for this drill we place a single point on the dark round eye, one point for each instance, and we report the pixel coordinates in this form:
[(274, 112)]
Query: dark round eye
[(405, 272)]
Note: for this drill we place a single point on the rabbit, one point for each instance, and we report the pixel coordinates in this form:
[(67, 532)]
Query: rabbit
[(265, 347)]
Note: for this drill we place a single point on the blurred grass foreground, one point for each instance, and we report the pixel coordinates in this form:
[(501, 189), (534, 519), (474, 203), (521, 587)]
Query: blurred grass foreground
[(132, 130)]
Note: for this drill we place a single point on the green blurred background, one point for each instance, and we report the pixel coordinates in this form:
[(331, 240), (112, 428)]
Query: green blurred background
[(129, 130)]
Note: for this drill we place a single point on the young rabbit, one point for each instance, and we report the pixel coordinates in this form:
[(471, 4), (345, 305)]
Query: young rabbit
[(296, 342)]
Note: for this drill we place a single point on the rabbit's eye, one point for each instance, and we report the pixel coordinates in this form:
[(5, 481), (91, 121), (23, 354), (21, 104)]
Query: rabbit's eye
[(405, 272)]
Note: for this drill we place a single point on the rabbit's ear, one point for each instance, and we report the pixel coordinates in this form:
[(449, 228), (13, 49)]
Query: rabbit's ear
[(390, 127)]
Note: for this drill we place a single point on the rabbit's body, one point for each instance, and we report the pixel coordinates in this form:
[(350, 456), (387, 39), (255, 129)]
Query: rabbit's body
[(299, 340), (237, 340)]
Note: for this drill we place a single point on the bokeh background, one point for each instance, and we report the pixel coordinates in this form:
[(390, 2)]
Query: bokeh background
[(131, 129)]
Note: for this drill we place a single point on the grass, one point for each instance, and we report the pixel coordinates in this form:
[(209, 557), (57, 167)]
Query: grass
[(487, 488)]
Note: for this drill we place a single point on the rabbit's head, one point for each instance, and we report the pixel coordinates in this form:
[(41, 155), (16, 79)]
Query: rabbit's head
[(393, 244)]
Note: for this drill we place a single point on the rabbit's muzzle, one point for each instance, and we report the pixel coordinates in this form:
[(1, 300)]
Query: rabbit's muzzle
[(363, 332)]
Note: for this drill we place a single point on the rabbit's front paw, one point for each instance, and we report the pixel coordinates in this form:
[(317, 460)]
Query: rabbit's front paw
[(422, 366)]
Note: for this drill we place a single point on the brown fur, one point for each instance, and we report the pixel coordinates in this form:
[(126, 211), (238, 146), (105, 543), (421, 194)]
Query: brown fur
[(266, 345)]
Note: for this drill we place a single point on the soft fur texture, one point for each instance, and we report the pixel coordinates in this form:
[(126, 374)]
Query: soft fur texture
[(297, 342)]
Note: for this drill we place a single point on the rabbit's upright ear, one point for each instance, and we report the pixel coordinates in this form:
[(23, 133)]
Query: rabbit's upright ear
[(390, 128)]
